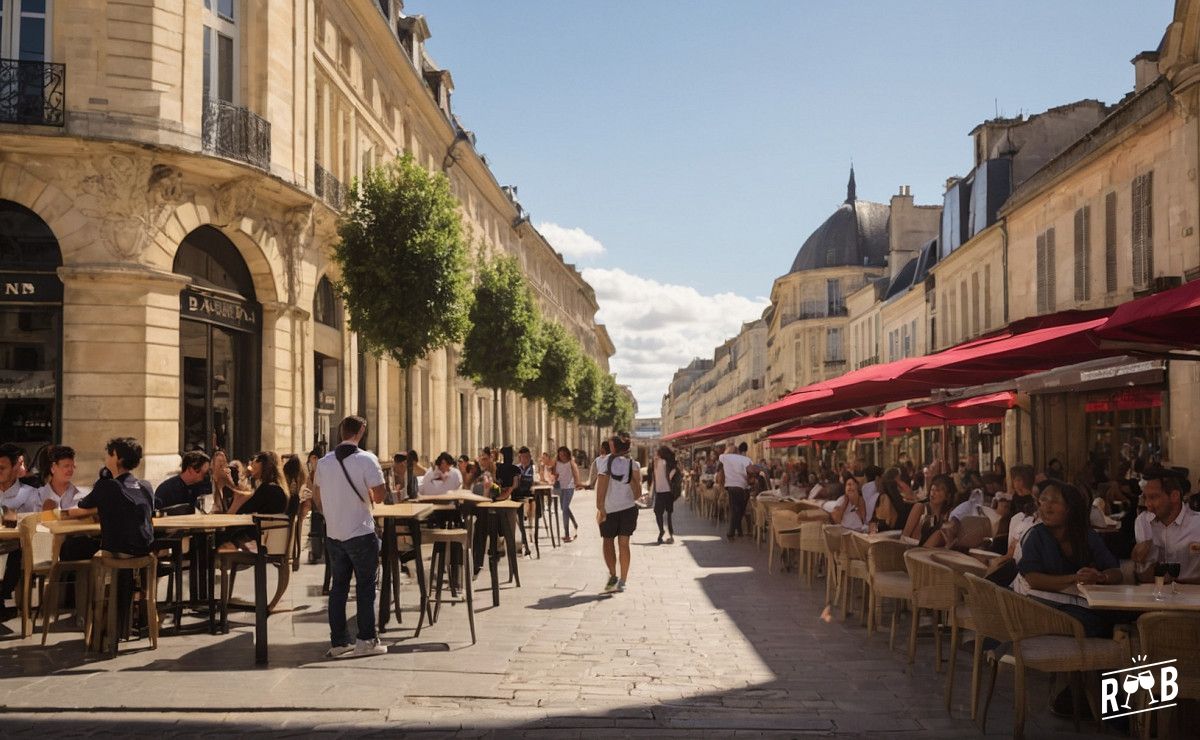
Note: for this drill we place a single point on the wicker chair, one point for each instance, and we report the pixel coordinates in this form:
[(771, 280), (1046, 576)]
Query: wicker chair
[(961, 619), (933, 591), (835, 562), (855, 549), (36, 562), (973, 530), (1174, 634), (888, 579), (785, 534), (812, 546), (1044, 639)]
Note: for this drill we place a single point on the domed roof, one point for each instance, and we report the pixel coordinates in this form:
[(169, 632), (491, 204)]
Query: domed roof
[(855, 234)]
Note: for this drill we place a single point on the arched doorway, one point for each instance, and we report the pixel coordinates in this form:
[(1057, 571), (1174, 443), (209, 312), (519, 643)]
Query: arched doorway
[(327, 361), (30, 330), (219, 339)]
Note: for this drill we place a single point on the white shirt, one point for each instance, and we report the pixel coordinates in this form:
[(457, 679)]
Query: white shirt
[(565, 473), (66, 501), (661, 483), (21, 498), (347, 513), (852, 518), (870, 494), (735, 466), (620, 495), (1171, 543), (815, 491), (1018, 527), (435, 481), (973, 506)]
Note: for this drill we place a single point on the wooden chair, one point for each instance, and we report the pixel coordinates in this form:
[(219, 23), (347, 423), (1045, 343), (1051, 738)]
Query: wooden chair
[(887, 578), (36, 558), (1175, 635), (1045, 639), (101, 631), (277, 534), (444, 541), (785, 534), (49, 603)]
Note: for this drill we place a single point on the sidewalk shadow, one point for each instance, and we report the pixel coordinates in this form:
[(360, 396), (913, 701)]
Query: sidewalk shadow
[(567, 601)]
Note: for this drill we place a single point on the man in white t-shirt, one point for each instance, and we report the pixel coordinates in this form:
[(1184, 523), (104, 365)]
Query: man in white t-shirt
[(731, 472), (618, 485), (347, 483)]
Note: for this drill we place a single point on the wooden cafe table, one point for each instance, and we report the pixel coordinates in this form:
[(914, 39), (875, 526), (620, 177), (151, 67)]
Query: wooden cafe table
[(1140, 597), (495, 510), (200, 526), (389, 588)]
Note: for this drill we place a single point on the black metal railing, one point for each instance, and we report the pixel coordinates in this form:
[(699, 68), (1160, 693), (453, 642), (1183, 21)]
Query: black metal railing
[(328, 188), (872, 360), (231, 131), (32, 92)]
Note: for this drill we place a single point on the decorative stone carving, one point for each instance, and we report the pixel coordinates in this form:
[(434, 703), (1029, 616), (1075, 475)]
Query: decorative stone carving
[(234, 199), (130, 197), (296, 234)]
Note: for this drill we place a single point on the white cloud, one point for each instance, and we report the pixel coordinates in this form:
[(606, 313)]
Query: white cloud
[(572, 243), (659, 327)]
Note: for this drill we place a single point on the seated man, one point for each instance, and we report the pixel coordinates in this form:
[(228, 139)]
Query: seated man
[(1166, 530), (444, 477), (186, 487), (124, 504), (59, 492), (16, 498)]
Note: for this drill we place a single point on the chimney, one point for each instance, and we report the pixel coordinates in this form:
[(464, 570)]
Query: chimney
[(1145, 70)]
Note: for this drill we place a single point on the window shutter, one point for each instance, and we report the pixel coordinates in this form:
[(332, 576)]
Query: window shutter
[(975, 303), (1051, 282), (1110, 242), (987, 296), (1041, 274), (1143, 251), (1083, 272)]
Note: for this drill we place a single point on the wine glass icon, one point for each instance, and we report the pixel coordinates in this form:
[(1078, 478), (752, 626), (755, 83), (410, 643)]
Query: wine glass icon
[(1130, 684), (1146, 680)]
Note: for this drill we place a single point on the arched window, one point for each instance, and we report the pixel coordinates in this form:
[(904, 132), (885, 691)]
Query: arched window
[(326, 309), (211, 260)]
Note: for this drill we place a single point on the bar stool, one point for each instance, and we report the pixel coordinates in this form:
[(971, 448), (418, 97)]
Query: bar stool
[(106, 575), (444, 541)]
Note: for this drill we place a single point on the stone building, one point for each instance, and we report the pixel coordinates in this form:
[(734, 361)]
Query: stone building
[(170, 178)]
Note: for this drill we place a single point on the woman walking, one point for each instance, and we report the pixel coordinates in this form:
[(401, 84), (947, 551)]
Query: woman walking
[(668, 483), (566, 478)]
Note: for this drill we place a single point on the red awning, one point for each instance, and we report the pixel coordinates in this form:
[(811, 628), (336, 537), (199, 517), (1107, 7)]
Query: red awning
[(1027, 346)]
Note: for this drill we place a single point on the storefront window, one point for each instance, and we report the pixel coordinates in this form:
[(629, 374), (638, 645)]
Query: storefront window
[(1123, 428)]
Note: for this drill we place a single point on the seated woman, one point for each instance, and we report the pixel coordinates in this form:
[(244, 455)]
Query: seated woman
[(891, 510), (926, 520), (851, 509), (268, 498), (1064, 551)]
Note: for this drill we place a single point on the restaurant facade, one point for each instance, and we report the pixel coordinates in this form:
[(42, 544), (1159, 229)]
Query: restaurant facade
[(166, 230)]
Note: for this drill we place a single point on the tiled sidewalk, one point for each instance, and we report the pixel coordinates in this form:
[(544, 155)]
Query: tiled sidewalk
[(704, 642)]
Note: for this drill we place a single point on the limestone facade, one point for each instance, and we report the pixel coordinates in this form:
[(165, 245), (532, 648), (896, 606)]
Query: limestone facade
[(244, 157), (733, 380)]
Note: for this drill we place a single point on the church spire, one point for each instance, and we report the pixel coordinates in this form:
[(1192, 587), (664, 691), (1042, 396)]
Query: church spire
[(850, 194)]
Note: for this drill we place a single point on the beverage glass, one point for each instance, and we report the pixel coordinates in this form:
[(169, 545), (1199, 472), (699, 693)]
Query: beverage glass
[(1160, 575), (1173, 572)]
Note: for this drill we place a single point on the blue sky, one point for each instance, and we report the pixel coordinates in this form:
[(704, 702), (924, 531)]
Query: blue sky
[(680, 152)]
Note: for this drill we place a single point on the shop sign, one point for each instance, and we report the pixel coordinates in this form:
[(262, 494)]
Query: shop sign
[(30, 288), (1126, 400), (228, 312), (1113, 372)]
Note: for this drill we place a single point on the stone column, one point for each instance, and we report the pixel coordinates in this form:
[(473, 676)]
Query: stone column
[(121, 375), (282, 377)]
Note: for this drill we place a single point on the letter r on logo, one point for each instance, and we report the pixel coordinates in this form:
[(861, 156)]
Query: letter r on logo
[(1108, 693)]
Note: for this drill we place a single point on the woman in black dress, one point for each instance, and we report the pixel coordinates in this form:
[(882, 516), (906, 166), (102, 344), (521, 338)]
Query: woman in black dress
[(268, 498)]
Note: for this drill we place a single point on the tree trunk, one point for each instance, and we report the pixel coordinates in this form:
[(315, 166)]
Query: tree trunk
[(496, 418), (411, 483)]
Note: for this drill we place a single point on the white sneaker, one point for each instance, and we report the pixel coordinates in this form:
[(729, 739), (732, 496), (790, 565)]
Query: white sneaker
[(338, 651), (369, 647)]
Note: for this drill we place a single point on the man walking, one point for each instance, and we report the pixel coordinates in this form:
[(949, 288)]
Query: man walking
[(617, 486), (731, 472), (348, 481)]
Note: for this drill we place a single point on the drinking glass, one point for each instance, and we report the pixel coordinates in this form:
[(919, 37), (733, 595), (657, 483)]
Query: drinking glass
[(1130, 684), (1160, 575), (1146, 680), (8, 516), (1173, 571)]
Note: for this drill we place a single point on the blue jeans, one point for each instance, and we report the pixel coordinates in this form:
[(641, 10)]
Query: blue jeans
[(358, 556), (564, 496)]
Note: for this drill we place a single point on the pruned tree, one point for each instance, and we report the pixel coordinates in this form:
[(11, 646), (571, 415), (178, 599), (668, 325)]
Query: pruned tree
[(501, 348), (558, 367), (402, 258)]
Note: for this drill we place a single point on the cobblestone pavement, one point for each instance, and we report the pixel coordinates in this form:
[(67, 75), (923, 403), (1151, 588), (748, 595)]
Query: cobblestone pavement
[(704, 643)]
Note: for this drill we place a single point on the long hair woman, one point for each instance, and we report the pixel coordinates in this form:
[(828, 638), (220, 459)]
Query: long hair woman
[(667, 485), (566, 479), (926, 520), (269, 497)]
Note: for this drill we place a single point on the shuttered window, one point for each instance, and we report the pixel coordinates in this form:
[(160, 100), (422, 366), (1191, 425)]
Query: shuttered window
[(1045, 272), (1142, 232), (987, 297), (975, 298), (1110, 243), (1083, 249)]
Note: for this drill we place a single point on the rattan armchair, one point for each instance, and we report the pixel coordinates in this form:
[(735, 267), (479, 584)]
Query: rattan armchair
[(961, 619), (812, 546), (888, 579), (1174, 634), (785, 535), (855, 549), (932, 591), (1043, 639), (835, 562)]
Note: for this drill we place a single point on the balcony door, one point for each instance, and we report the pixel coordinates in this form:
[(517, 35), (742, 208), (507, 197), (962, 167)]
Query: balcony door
[(30, 89), (221, 50)]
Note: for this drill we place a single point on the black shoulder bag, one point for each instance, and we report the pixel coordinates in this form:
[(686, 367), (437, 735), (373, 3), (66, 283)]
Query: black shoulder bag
[(341, 453)]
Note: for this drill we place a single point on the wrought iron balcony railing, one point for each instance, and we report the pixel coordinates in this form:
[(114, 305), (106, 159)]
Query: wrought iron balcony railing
[(231, 131), (328, 188), (32, 92)]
